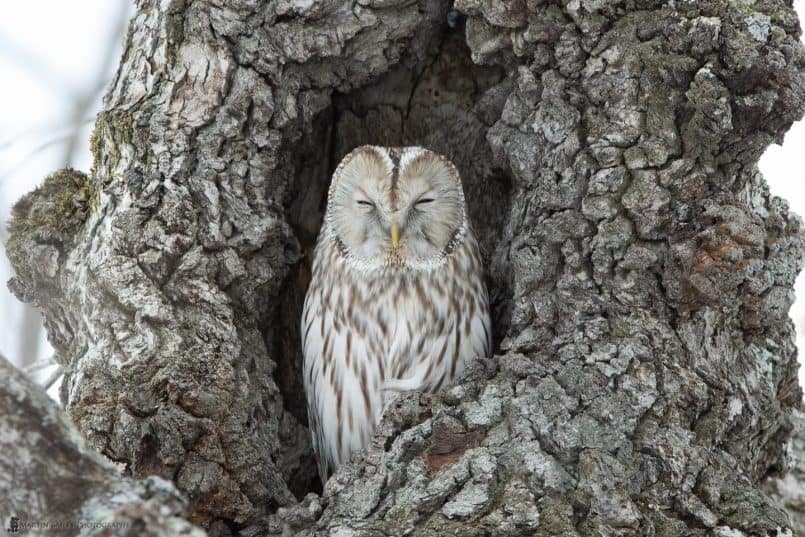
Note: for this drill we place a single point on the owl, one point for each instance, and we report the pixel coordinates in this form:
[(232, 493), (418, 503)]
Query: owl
[(396, 300)]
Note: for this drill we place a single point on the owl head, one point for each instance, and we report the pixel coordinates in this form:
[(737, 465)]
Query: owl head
[(395, 206)]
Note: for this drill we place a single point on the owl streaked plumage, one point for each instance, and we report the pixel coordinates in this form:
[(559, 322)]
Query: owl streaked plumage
[(396, 301)]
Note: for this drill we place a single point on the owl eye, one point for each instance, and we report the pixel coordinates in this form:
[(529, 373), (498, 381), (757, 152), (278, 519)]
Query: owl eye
[(366, 203), (423, 201)]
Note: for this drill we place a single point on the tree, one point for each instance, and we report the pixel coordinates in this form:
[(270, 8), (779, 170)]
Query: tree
[(53, 483), (640, 272)]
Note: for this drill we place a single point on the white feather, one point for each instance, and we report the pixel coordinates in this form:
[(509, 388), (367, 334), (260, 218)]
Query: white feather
[(375, 325)]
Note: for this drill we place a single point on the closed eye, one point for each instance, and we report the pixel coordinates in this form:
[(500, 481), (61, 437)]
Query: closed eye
[(366, 203), (422, 201)]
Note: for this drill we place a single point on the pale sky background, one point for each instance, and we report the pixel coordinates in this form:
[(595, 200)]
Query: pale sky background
[(52, 53)]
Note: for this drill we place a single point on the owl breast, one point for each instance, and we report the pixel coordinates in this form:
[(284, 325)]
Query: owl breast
[(368, 334)]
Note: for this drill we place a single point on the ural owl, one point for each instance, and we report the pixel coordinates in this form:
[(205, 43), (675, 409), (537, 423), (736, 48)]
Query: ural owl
[(396, 301)]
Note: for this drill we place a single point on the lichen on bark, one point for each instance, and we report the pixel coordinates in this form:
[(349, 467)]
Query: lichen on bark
[(639, 269)]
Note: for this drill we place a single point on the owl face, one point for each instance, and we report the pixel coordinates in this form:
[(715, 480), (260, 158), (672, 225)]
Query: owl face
[(395, 206)]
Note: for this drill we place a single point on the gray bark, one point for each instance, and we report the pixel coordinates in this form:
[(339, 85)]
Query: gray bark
[(639, 270), (54, 484)]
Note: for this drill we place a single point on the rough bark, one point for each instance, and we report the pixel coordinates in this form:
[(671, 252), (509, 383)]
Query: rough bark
[(640, 271), (789, 489), (54, 484)]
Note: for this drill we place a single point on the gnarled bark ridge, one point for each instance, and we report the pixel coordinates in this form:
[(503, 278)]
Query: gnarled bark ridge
[(640, 271), (54, 484)]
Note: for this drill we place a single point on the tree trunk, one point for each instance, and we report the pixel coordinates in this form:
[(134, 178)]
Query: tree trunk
[(639, 270), (53, 484)]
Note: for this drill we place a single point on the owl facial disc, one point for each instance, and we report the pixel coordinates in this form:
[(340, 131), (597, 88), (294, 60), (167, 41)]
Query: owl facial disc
[(402, 206)]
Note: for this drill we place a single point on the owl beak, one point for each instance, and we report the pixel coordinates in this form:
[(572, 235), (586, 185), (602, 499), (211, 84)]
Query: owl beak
[(395, 234)]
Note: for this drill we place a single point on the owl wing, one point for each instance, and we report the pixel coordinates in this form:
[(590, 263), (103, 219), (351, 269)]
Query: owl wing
[(452, 330), (342, 381)]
